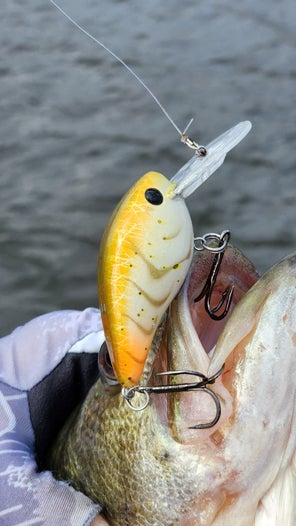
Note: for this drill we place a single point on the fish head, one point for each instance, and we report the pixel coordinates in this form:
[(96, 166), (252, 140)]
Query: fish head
[(241, 470), (246, 461), (150, 467)]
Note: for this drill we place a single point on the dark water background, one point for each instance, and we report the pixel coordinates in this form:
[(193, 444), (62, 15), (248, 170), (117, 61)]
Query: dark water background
[(76, 131)]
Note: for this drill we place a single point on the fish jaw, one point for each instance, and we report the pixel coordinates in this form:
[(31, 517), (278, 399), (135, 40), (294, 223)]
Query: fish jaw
[(260, 364), (192, 336)]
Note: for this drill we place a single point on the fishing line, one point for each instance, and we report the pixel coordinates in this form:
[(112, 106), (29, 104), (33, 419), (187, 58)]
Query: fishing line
[(183, 136)]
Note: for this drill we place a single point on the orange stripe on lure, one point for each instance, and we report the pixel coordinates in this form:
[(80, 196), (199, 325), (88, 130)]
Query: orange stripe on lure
[(147, 247), (145, 254)]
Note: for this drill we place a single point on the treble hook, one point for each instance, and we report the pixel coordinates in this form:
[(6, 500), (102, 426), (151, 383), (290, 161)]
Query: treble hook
[(208, 288), (202, 386)]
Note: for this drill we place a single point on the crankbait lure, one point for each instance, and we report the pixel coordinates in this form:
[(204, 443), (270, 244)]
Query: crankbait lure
[(145, 255), (147, 247)]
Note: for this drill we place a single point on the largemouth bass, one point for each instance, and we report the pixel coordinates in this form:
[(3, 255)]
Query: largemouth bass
[(150, 468)]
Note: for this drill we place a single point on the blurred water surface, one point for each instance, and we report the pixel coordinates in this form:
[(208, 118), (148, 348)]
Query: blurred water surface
[(76, 131)]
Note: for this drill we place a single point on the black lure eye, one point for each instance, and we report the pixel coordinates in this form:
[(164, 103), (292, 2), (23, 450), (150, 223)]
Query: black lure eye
[(154, 196)]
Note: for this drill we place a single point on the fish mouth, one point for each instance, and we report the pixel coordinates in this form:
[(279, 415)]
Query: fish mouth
[(255, 336), (193, 333), (191, 341)]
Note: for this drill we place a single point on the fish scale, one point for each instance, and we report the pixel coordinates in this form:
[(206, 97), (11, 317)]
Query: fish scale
[(138, 455)]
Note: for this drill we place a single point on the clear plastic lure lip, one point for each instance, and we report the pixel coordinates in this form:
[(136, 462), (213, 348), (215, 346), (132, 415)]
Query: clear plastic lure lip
[(199, 168)]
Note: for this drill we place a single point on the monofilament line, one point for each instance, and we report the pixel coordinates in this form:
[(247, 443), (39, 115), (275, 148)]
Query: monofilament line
[(125, 65)]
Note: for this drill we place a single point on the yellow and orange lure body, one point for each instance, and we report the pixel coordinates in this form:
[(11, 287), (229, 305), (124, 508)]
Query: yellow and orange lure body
[(144, 257)]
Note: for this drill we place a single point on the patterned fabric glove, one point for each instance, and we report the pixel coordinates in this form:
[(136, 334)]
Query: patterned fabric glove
[(46, 367)]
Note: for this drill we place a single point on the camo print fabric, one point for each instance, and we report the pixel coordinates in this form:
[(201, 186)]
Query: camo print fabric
[(34, 369)]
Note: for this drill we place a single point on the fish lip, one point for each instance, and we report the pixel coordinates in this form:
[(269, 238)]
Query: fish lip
[(237, 271), (189, 344)]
